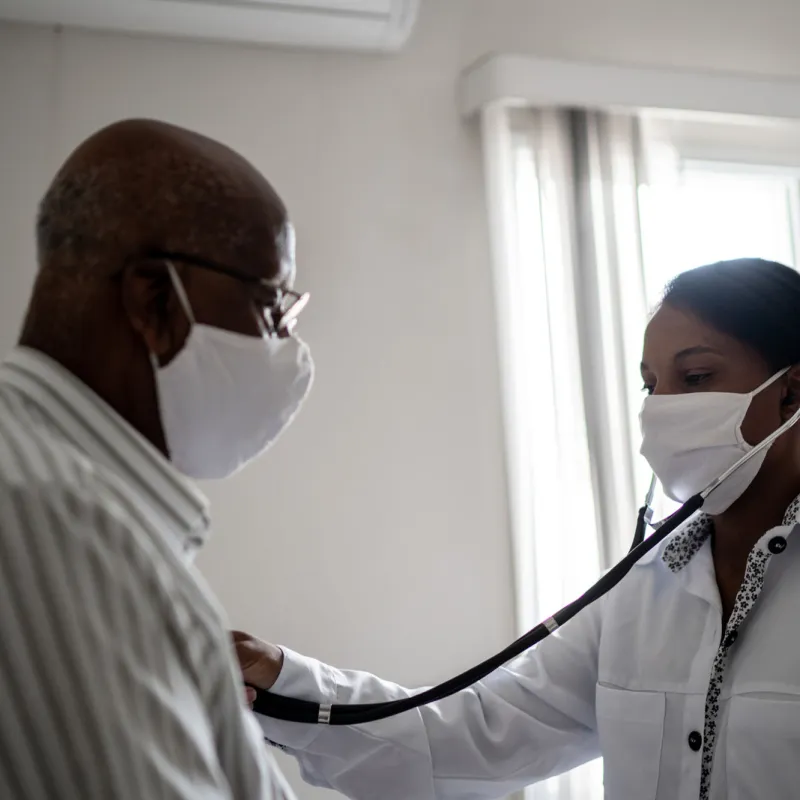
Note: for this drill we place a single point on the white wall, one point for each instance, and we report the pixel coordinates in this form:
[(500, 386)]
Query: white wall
[(374, 535)]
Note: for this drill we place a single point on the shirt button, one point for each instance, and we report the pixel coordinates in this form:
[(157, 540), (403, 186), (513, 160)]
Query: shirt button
[(695, 740), (731, 638), (777, 545)]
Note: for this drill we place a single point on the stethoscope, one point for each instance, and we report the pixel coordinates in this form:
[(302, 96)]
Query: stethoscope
[(294, 710)]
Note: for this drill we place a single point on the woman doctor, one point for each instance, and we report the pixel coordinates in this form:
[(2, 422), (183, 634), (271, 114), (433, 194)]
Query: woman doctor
[(685, 678)]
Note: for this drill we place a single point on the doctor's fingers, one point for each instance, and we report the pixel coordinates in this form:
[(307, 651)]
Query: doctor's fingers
[(249, 695), (259, 661)]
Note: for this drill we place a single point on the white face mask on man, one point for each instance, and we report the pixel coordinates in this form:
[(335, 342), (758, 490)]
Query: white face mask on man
[(689, 440), (226, 397)]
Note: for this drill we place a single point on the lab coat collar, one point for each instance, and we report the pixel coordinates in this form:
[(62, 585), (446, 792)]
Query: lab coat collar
[(686, 542), (92, 426)]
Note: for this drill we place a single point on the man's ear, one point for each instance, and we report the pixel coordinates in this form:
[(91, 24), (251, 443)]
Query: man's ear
[(153, 309), (791, 400)]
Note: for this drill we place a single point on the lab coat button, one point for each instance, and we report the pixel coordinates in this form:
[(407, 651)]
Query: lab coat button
[(777, 545), (695, 740)]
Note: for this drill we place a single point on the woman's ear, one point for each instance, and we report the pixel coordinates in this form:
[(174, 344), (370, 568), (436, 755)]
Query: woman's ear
[(791, 399)]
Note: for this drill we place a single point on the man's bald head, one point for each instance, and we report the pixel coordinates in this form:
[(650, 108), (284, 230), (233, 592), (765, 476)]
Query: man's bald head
[(105, 303), (143, 185)]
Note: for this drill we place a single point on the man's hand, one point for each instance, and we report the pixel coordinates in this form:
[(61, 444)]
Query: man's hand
[(260, 662)]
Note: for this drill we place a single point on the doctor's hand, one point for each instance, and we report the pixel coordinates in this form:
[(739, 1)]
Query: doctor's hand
[(259, 661)]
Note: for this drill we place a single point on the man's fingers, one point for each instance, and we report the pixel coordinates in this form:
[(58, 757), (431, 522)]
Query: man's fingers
[(250, 695)]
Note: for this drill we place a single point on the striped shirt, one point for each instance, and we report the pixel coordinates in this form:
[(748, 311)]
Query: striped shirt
[(116, 672)]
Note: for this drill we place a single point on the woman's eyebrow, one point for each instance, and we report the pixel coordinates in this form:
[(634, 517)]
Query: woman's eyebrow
[(697, 350)]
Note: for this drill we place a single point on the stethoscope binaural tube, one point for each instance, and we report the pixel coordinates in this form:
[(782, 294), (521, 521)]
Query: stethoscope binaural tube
[(304, 711)]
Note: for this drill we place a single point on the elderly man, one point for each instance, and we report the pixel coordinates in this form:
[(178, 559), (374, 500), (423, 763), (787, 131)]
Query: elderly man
[(157, 347)]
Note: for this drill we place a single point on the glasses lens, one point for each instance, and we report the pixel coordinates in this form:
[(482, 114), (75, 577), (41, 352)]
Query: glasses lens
[(294, 306)]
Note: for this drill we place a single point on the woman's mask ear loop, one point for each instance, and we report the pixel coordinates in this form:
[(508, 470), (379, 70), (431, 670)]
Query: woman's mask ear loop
[(183, 299)]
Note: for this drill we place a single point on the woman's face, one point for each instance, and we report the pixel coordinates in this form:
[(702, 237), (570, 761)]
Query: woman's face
[(682, 354)]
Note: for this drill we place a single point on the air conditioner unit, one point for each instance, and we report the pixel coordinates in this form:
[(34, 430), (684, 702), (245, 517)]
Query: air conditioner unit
[(366, 25)]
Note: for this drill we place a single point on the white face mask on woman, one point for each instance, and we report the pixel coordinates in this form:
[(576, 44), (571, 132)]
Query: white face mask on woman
[(226, 397), (689, 440)]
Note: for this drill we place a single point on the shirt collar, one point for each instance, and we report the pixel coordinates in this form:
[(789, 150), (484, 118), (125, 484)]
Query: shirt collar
[(685, 543), (92, 426)]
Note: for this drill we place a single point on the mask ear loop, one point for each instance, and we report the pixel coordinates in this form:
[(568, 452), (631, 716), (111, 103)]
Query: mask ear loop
[(180, 291), (767, 442), (183, 299), (262, 326), (776, 377)]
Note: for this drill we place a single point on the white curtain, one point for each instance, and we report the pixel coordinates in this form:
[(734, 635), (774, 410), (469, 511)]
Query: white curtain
[(611, 296), (562, 198)]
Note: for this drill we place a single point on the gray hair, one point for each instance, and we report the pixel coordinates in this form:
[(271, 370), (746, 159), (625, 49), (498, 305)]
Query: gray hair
[(73, 226)]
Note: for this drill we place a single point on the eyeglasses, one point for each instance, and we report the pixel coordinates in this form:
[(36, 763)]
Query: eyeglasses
[(279, 308)]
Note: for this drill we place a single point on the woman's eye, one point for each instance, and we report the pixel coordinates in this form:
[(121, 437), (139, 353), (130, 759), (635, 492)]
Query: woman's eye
[(696, 378)]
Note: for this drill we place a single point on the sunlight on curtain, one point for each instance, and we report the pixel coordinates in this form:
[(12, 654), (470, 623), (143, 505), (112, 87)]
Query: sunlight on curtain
[(611, 297), (554, 522)]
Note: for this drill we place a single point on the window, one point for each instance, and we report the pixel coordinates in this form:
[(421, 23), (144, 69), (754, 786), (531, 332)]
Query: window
[(717, 212)]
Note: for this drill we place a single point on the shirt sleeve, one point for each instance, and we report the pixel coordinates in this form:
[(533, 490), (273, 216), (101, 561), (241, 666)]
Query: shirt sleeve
[(528, 721), (103, 697)]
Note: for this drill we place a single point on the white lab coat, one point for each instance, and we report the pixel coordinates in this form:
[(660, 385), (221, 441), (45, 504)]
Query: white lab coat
[(626, 679)]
